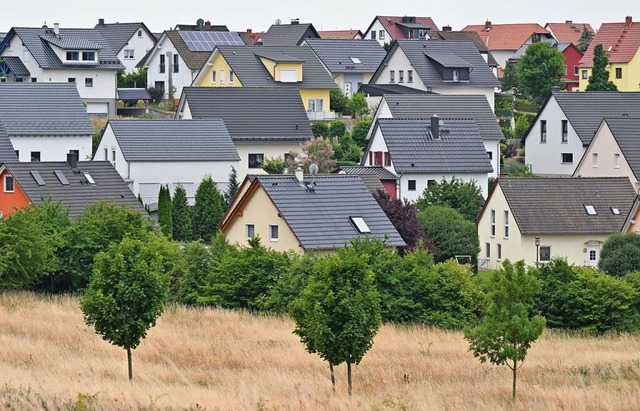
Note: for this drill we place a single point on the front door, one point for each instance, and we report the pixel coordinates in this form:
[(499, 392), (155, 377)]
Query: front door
[(347, 90), (593, 255)]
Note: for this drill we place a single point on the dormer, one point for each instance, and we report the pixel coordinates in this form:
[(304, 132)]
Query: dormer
[(450, 67), (73, 50), (282, 67)]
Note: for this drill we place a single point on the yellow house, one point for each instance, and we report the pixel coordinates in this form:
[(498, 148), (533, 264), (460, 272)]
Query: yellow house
[(621, 41), (537, 219), (317, 213), (262, 66)]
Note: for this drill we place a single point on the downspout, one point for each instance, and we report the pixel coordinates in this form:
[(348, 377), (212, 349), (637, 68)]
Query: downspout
[(399, 188)]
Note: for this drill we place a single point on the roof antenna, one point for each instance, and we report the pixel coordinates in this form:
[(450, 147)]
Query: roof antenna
[(313, 169)]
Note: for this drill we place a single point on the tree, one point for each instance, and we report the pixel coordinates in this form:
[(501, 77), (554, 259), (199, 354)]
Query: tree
[(338, 312), (165, 220), (465, 197), (346, 150), (509, 80), (507, 331), (388, 45), (136, 79), (232, 187), (275, 165), (585, 40), (337, 128), (156, 94), (360, 131), (357, 105), (599, 78), (451, 233), (181, 220), (208, 209), (620, 254), (319, 151), (337, 100), (320, 129), (126, 294), (539, 70)]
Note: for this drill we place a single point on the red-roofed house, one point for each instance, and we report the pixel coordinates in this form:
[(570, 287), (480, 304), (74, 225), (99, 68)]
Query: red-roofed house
[(621, 41), (503, 40), (568, 32), (341, 34), (387, 28)]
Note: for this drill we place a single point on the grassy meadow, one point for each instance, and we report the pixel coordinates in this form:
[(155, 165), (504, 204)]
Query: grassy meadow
[(224, 360)]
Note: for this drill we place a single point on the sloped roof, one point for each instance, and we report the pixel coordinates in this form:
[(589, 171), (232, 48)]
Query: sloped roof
[(414, 149), (249, 70), (626, 132), (39, 41), (16, 66), (337, 55), (466, 35), (383, 89), (43, 109), (506, 36), (109, 185), (118, 34), (133, 94), (568, 32), (622, 38), (447, 105), (447, 59), (193, 59), (378, 171), (252, 113), (288, 34), (557, 205), (340, 34), (174, 140), (320, 218), (391, 24), (7, 152)]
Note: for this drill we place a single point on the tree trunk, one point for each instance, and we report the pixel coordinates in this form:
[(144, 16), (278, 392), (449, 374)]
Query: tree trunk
[(129, 363), (333, 378), (349, 376), (515, 369)]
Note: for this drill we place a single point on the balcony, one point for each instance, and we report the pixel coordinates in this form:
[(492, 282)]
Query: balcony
[(321, 115)]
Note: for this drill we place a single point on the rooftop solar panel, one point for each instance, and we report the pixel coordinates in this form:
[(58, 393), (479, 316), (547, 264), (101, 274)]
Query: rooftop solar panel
[(207, 40)]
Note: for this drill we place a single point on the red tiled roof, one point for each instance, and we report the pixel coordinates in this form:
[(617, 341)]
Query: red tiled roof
[(340, 34), (623, 39), (506, 36), (390, 24), (568, 32)]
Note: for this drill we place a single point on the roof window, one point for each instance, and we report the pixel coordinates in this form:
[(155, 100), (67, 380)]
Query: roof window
[(591, 210), (360, 224), (38, 178), (61, 177), (90, 179), (355, 60), (615, 210)]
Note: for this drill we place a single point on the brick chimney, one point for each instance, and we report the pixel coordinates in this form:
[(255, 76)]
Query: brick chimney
[(249, 31), (446, 28), (100, 22), (628, 20), (207, 25), (487, 24)]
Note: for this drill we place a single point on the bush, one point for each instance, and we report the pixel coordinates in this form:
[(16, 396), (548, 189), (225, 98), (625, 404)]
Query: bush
[(337, 128), (275, 165), (360, 131), (337, 101), (463, 196), (357, 105), (451, 233), (320, 129), (156, 93), (523, 122), (620, 254)]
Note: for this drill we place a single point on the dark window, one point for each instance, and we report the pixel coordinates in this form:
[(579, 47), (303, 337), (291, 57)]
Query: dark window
[(8, 184), (162, 66), (499, 251), (575, 70), (409, 76), (88, 82), (35, 156), (34, 80), (493, 223), (255, 160), (19, 80), (106, 154), (71, 79), (565, 131), (392, 76), (176, 63), (545, 253), (73, 56), (431, 183), (88, 56), (387, 158), (251, 231), (412, 185), (567, 158), (273, 232), (488, 250), (543, 131), (490, 155), (619, 72), (400, 76), (373, 35), (139, 33), (18, 153), (378, 158)]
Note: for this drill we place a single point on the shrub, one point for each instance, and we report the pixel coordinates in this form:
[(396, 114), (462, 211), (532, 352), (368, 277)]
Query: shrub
[(620, 254), (320, 129), (337, 128), (451, 233)]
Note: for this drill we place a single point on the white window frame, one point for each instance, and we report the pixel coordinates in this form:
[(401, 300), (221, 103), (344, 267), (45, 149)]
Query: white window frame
[(455, 75), (392, 76), (381, 34), (543, 131), (250, 228), (13, 184), (409, 76), (213, 76), (616, 160), (506, 224), (221, 77), (314, 104), (493, 222), (400, 76), (129, 54), (277, 232), (594, 160), (540, 255), (88, 82), (409, 182)]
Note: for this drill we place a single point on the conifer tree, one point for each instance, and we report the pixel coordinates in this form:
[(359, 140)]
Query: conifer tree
[(164, 212), (181, 215), (585, 40), (208, 210), (599, 79)]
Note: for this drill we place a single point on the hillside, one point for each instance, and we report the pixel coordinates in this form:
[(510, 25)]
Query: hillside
[(216, 359)]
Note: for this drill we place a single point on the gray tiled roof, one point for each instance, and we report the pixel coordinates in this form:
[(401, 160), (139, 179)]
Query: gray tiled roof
[(320, 218), (277, 56), (288, 34), (16, 66), (466, 35), (250, 71), (446, 59), (7, 152), (383, 89), (43, 109), (117, 34), (379, 171), (41, 49), (337, 54), (193, 59), (133, 94), (413, 149), (557, 205), (626, 132), (252, 113), (447, 105), (174, 140), (79, 193)]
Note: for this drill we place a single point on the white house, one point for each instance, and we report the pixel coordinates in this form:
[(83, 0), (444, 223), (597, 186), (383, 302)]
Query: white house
[(385, 29), (131, 41)]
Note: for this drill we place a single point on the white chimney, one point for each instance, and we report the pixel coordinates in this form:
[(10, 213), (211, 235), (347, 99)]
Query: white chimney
[(299, 174), (56, 28)]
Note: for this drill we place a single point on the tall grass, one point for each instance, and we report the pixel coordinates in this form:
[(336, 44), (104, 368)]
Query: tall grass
[(216, 359)]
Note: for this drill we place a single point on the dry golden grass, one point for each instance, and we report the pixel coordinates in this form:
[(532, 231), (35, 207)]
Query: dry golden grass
[(226, 360)]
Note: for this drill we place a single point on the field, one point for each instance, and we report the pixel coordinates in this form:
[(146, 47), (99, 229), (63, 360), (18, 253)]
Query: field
[(216, 359)]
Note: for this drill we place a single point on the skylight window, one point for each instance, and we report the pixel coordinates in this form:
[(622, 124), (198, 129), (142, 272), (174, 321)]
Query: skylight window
[(591, 210), (615, 210), (90, 179), (61, 177), (38, 178), (355, 60), (360, 224)]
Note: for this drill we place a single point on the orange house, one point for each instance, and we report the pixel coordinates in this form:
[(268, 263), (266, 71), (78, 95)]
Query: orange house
[(12, 197)]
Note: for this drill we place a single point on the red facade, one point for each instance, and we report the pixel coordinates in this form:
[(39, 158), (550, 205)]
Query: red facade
[(571, 58)]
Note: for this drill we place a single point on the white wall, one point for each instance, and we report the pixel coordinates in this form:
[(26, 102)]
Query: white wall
[(270, 149), (399, 61), (52, 148), (140, 46), (377, 26), (488, 92), (502, 56), (183, 78)]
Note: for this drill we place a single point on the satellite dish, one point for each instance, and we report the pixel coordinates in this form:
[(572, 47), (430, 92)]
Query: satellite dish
[(200, 23), (313, 169), (278, 22)]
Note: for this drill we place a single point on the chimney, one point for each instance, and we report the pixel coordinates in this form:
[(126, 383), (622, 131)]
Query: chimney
[(56, 29), (487, 24), (435, 127), (568, 21), (72, 160), (628, 20), (446, 28), (295, 21), (249, 31), (207, 25), (299, 174), (100, 22)]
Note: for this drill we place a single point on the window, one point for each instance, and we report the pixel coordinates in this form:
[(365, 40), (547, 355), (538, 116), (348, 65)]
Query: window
[(221, 77), (355, 60), (545, 253), (490, 155), (381, 34), (255, 160), (409, 76), (213, 76), (487, 247), (139, 33), (159, 84), (594, 160), (592, 255), (493, 223), (615, 211), (251, 231), (619, 72), (543, 131), (128, 55), (88, 82), (591, 210), (585, 74), (456, 75), (411, 185), (387, 159), (431, 183), (567, 158), (565, 131), (575, 70), (113, 156), (71, 79), (18, 154), (163, 63), (88, 56), (506, 224), (378, 158), (565, 69), (19, 80), (231, 76), (392, 76), (34, 80), (315, 105), (616, 161), (360, 224), (35, 156), (273, 233), (9, 184), (106, 154), (73, 56), (373, 35), (400, 76), (499, 250), (176, 63)]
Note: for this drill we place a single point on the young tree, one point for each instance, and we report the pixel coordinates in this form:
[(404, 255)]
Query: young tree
[(465, 197), (208, 210), (620, 254), (507, 331), (585, 40), (509, 78), (338, 312), (357, 105), (451, 233), (319, 151), (337, 100), (275, 165), (320, 129), (337, 128), (599, 78), (539, 70), (165, 219), (181, 215), (232, 187), (360, 131), (126, 294)]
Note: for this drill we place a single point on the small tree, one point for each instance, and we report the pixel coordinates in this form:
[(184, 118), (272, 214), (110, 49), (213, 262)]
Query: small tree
[(337, 128), (275, 165), (181, 215), (165, 220), (451, 233), (338, 312), (319, 151), (509, 80), (156, 94), (539, 70), (357, 105), (465, 197), (208, 209), (360, 131), (320, 129), (136, 79), (620, 254), (585, 40), (232, 187), (126, 294), (507, 331), (599, 78), (337, 100)]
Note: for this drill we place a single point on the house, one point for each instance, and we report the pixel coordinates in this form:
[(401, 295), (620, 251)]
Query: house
[(151, 153), (447, 34), (264, 66), (341, 34), (131, 41), (45, 121), (537, 219), (452, 106), (350, 62), (614, 151), (385, 29), (568, 32), (289, 34), (621, 42), (75, 184), (374, 177), (439, 66), (7, 152), (565, 125), (314, 214), (60, 55), (178, 56), (426, 150), (505, 39), (264, 122)]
